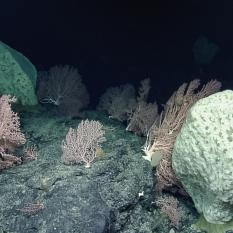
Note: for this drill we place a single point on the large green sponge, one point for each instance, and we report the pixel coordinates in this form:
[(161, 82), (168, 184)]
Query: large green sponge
[(202, 159), (17, 76)]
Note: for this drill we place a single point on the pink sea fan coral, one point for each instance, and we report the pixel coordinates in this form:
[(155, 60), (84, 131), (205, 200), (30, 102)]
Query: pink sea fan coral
[(10, 133), (81, 144)]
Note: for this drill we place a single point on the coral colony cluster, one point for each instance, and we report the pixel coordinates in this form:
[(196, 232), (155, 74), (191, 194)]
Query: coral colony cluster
[(188, 143)]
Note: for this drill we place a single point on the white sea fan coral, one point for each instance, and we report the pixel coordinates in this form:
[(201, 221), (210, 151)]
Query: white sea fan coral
[(81, 144)]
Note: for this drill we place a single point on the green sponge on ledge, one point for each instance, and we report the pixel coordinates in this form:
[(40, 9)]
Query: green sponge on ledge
[(17, 76)]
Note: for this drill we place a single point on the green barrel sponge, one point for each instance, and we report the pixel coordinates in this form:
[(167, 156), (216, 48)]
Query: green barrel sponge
[(17, 76), (203, 157)]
